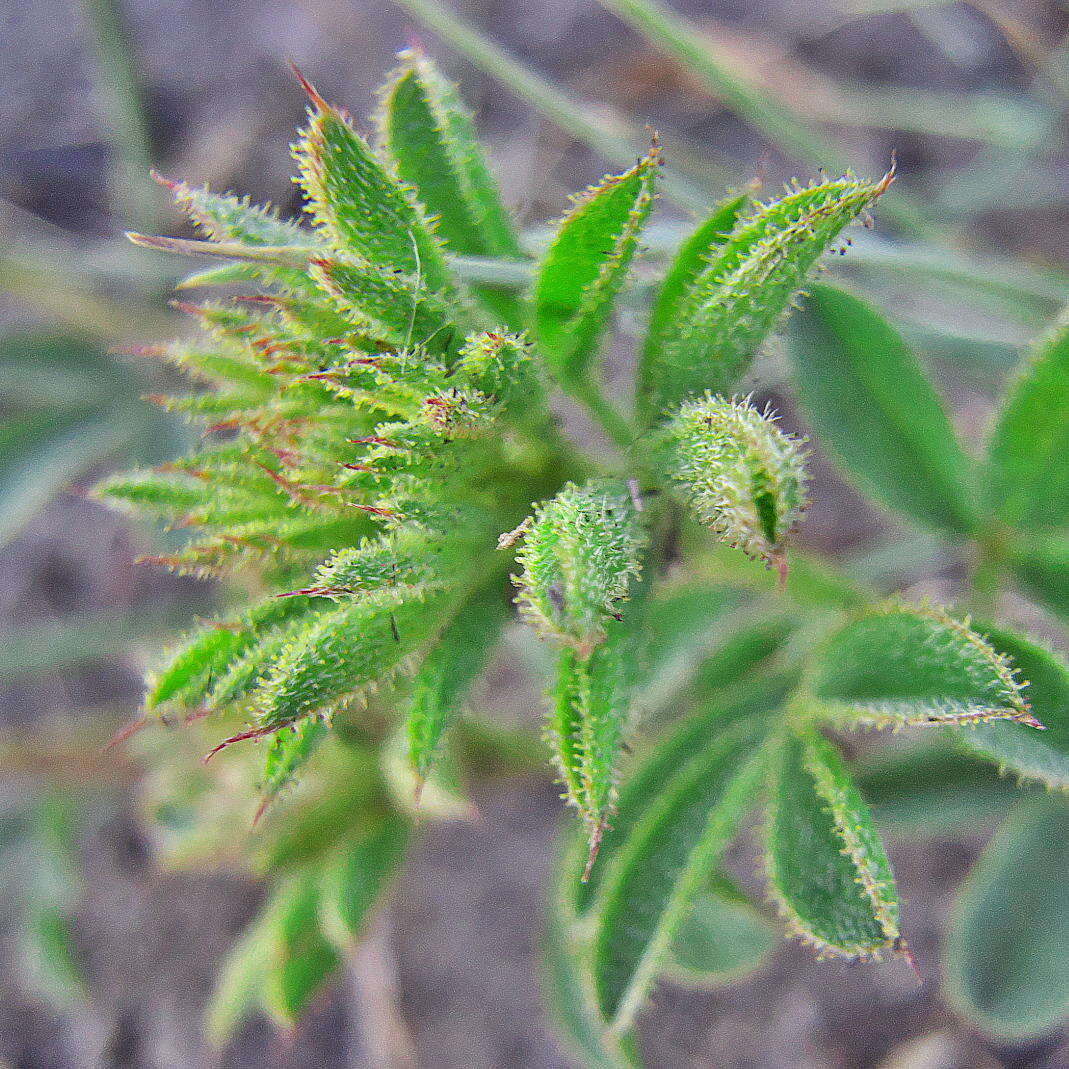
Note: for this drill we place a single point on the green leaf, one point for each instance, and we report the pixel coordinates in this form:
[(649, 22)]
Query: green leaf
[(289, 751), (580, 554), (431, 140), (587, 725), (660, 869), (446, 676), (356, 205), (743, 290), (741, 475), (897, 664), (238, 990), (682, 275), (349, 650), (661, 767), (194, 669), (1027, 477), (874, 409), (358, 877), (384, 305), (567, 987), (586, 265), (722, 938), (302, 961), (1030, 755), (1008, 945), (827, 868)]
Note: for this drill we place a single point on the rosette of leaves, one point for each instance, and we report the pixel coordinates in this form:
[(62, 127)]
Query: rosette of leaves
[(372, 423)]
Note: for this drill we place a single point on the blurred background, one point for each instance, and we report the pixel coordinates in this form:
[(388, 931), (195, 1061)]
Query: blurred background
[(969, 255)]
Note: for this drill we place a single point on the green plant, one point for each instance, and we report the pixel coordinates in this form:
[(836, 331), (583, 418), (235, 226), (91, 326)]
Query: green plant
[(378, 439)]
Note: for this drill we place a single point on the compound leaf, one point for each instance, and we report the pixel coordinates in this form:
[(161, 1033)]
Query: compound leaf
[(872, 406), (827, 868)]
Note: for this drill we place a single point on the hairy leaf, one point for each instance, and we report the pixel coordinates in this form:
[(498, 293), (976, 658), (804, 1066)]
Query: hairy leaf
[(1027, 480), (1041, 566), (746, 286), (586, 265), (682, 276), (238, 990), (873, 408), (663, 765), (827, 868), (660, 870), (1008, 944), (898, 664), (740, 474), (430, 138), (357, 206), (580, 554), (1031, 755)]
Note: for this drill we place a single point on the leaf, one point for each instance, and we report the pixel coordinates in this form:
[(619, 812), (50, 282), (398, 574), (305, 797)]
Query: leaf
[(1008, 945), (586, 265), (744, 289), (580, 554), (431, 140), (661, 767), (1030, 755), (660, 869), (302, 961), (587, 725), (897, 664), (679, 281), (358, 877), (872, 406), (740, 474), (348, 650), (722, 938), (567, 989), (289, 751), (446, 676), (202, 660), (1027, 479), (237, 993), (827, 868), (384, 305), (356, 205)]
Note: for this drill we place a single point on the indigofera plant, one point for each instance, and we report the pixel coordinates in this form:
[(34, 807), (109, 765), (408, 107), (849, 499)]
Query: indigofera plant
[(383, 474)]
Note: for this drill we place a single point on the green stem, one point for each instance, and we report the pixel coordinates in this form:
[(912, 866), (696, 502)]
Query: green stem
[(986, 579)]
